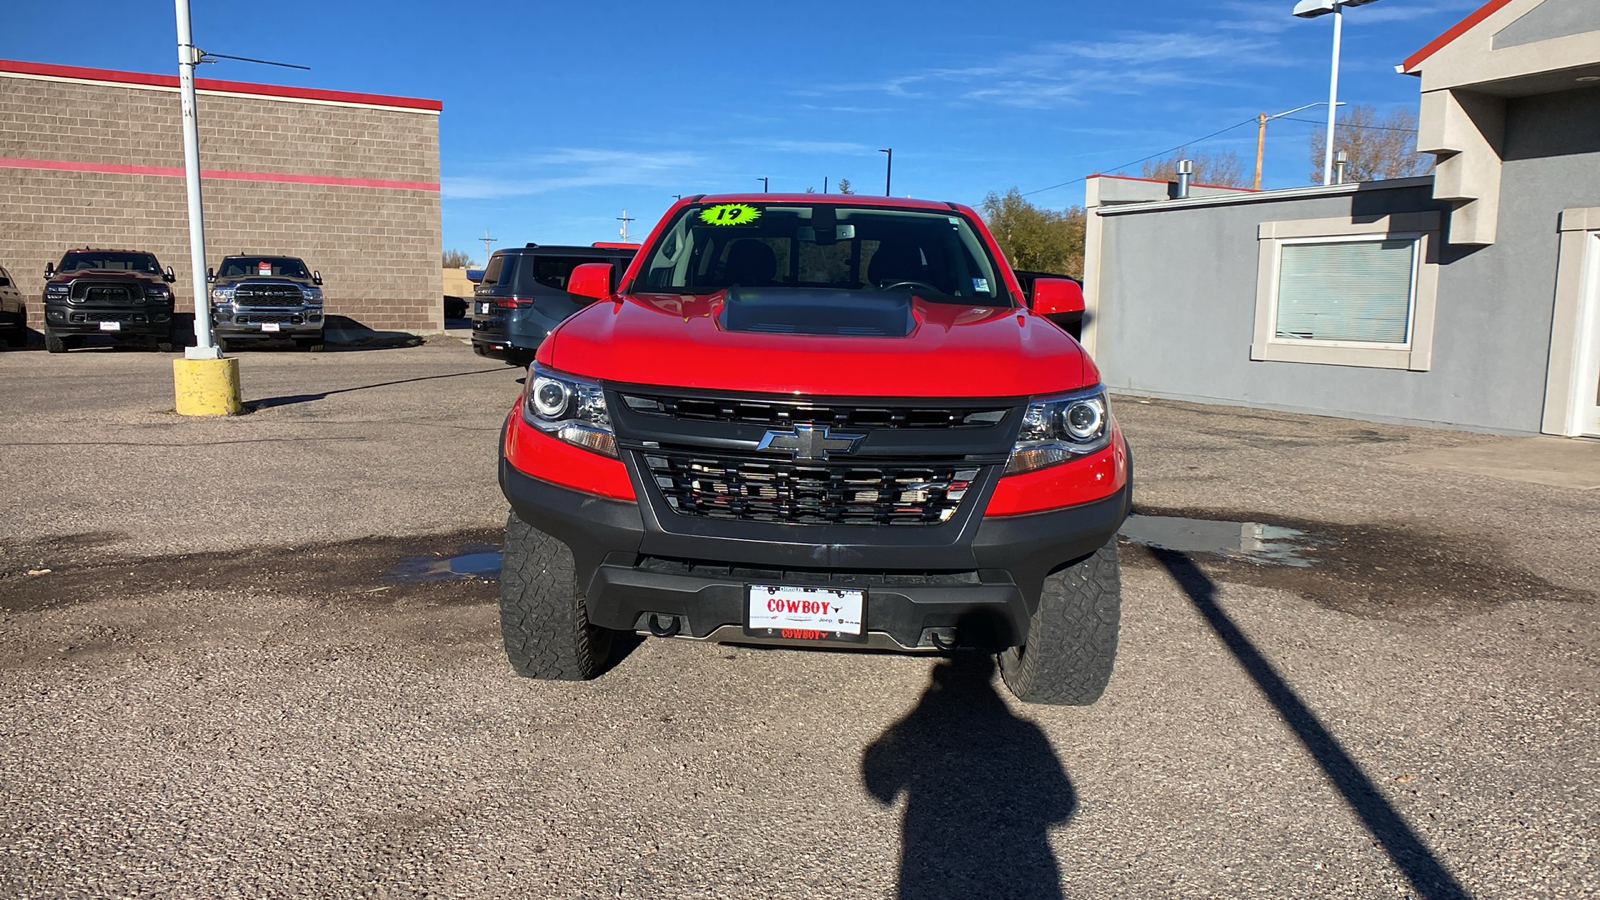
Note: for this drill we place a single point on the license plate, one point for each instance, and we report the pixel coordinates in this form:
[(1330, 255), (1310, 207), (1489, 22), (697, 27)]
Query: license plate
[(110, 326), (269, 326), (804, 613), (483, 309)]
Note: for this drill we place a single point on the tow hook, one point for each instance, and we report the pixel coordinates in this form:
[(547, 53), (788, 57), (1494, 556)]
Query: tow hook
[(940, 643), (669, 629)]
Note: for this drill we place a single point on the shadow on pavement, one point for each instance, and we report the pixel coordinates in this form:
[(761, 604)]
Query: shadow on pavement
[(289, 399), (1427, 874), (982, 787)]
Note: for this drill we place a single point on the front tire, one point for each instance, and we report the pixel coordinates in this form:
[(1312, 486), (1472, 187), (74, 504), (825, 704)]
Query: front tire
[(1072, 636), (54, 343), (543, 616)]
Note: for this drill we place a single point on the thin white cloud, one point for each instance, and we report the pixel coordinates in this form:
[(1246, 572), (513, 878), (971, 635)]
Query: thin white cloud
[(821, 147), (569, 167)]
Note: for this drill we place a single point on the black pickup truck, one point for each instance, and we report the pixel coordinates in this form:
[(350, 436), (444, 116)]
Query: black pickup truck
[(123, 294)]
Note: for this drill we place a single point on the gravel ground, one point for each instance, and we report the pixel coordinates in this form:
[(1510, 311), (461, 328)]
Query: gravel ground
[(220, 688)]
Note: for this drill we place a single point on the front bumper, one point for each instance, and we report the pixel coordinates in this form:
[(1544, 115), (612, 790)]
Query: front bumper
[(631, 569), (248, 323), (129, 321)]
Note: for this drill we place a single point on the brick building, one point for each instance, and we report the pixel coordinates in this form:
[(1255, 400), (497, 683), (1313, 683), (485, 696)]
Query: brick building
[(348, 182)]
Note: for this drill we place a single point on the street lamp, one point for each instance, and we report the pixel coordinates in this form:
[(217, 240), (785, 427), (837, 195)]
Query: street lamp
[(763, 184), (1310, 9), (888, 169), (1261, 132)]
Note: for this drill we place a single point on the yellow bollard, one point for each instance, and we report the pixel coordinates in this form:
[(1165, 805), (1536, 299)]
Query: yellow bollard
[(207, 387)]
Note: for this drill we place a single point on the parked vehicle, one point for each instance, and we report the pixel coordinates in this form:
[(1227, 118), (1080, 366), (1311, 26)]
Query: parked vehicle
[(523, 294), (13, 312), (265, 298), (122, 294), (826, 421)]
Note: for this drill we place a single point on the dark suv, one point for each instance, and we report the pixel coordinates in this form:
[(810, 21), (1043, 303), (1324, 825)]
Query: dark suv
[(256, 298), (523, 295), (124, 294)]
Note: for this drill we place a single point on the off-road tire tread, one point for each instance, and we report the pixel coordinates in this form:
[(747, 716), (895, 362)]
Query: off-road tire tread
[(1072, 636), (54, 343), (543, 615)]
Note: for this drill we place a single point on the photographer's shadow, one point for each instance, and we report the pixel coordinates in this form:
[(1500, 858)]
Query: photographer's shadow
[(983, 789)]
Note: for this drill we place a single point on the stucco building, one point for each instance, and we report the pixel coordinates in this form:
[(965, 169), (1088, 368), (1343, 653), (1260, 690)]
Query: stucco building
[(1469, 297), (349, 182)]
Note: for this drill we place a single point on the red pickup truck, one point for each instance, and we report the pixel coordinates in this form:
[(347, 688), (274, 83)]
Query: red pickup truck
[(824, 421)]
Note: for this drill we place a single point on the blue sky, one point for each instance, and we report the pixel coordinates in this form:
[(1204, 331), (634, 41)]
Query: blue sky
[(557, 117)]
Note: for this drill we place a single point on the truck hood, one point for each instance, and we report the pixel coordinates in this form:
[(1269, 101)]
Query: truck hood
[(762, 342)]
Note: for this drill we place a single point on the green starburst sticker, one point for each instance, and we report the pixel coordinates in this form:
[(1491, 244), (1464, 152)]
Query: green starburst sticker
[(730, 214)]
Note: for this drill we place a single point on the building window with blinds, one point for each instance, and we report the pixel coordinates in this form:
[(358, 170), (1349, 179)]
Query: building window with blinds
[(1345, 293)]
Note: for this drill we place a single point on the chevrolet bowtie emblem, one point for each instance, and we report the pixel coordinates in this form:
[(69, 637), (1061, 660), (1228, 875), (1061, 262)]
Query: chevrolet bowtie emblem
[(809, 442)]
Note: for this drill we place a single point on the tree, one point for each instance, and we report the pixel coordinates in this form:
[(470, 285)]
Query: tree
[(1376, 148), (844, 186), (1035, 238), (457, 259), (1222, 168)]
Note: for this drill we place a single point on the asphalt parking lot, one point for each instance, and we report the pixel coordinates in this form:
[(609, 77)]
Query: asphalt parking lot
[(242, 667)]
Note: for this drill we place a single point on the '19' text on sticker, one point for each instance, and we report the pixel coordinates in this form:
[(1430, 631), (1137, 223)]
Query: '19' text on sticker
[(730, 214)]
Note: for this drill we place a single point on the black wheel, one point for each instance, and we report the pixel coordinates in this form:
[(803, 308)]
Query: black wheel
[(543, 617), (53, 342), (1072, 637)]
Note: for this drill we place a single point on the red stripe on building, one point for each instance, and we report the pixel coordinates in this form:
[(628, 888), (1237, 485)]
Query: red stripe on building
[(1456, 30), (207, 84), (57, 165)]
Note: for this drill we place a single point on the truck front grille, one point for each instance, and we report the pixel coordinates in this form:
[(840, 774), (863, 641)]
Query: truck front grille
[(84, 317), (113, 294), (268, 295), (749, 411), (763, 490)]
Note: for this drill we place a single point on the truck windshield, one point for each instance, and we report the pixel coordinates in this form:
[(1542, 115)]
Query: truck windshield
[(712, 247), (110, 259), (281, 266)]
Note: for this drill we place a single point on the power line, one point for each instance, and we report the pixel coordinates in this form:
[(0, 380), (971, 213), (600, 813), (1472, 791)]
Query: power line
[(1350, 125), (1249, 121)]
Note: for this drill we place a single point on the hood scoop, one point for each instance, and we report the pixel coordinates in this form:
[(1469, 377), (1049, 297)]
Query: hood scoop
[(821, 311)]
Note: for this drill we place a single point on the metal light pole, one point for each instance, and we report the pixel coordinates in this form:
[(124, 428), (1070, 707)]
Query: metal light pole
[(1311, 9), (188, 56), (763, 181), (888, 170)]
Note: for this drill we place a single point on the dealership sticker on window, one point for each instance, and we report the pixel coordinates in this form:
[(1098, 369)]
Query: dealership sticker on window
[(730, 214), (263, 268)]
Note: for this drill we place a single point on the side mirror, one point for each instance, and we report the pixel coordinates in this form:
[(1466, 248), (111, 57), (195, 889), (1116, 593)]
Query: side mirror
[(211, 276), (316, 278), (170, 278), (49, 270), (1057, 297), (592, 280)]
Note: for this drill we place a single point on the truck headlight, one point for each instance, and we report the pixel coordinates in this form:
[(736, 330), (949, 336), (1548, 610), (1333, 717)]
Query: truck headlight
[(568, 408), (222, 294), (312, 295), (1059, 429), (158, 291)]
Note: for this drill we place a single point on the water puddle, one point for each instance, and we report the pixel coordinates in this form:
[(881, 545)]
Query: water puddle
[(1250, 541), (473, 561)]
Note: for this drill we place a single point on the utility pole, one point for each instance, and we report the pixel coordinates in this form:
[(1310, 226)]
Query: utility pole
[(625, 219), (486, 242), (888, 170), (1261, 133), (1261, 145)]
